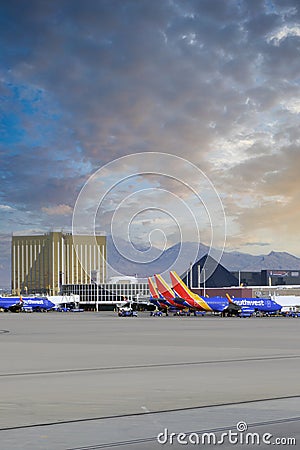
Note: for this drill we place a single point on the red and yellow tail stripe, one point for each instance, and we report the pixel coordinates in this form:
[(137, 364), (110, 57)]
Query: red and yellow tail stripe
[(183, 291), (164, 288), (153, 291), (179, 286)]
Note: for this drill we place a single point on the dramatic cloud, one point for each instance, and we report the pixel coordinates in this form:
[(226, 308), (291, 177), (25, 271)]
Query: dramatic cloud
[(217, 82), (284, 33)]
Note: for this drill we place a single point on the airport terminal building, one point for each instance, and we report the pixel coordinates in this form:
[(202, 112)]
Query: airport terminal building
[(116, 291)]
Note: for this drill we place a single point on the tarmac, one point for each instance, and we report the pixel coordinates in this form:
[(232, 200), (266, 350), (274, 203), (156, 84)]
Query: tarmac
[(95, 380)]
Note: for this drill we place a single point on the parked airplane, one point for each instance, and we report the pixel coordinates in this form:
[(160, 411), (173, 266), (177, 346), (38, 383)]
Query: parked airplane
[(250, 306), (36, 304), (25, 303), (216, 304)]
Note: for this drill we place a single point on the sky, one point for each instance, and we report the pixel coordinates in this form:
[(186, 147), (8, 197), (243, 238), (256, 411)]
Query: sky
[(85, 83)]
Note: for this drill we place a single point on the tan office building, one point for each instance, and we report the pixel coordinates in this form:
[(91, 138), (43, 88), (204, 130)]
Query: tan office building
[(43, 263)]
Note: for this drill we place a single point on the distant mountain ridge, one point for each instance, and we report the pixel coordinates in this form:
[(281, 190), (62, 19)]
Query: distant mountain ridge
[(232, 261), (273, 261)]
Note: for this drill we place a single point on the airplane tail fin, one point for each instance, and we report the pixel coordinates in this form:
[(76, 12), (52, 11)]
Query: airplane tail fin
[(183, 291), (180, 287), (153, 291), (229, 298), (164, 288)]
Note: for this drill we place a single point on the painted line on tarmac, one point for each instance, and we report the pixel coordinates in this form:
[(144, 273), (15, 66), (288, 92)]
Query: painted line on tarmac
[(118, 416), (150, 366)]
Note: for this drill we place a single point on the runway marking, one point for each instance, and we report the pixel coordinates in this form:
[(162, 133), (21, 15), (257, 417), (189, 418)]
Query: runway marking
[(118, 416), (149, 366)]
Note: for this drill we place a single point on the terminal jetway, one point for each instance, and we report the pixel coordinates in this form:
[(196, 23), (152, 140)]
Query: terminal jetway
[(65, 301), (289, 303)]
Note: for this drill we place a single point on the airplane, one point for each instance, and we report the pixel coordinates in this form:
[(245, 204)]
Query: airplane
[(25, 303), (10, 303), (155, 298), (169, 295), (250, 306), (195, 302), (36, 304)]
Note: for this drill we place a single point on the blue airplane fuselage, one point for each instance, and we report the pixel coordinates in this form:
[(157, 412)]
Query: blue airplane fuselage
[(9, 302), (218, 304), (257, 305), (37, 303), (24, 303)]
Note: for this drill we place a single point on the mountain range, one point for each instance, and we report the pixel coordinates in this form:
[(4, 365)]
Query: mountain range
[(162, 261)]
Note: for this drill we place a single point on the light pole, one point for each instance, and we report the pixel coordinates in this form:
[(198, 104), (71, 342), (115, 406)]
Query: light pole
[(97, 297)]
